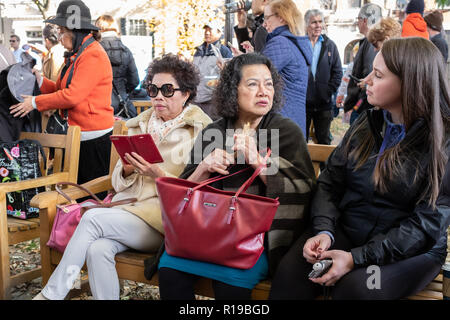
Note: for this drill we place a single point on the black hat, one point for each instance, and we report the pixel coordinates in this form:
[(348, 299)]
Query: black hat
[(73, 14), (415, 6)]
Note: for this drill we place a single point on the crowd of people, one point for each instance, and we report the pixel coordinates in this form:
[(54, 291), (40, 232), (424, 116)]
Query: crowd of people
[(378, 199)]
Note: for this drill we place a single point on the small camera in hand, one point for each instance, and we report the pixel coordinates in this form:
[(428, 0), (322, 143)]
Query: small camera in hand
[(320, 268)]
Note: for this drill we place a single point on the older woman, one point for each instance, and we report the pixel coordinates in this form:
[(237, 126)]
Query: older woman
[(377, 198), (291, 55), (248, 95), (102, 233), (82, 90)]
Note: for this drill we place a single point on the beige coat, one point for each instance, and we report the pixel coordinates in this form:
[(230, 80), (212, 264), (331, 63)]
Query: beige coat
[(53, 62), (175, 149)]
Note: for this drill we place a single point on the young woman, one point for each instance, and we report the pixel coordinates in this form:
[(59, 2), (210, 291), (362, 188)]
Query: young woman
[(376, 199)]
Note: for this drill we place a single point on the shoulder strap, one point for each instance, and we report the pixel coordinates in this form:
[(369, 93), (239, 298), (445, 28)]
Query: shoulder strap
[(83, 46), (295, 44), (69, 78), (121, 101)]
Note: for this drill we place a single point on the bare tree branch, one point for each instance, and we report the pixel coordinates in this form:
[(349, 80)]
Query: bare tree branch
[(42, 6)]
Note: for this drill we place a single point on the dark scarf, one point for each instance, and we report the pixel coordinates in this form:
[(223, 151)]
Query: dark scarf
[(78, 37)]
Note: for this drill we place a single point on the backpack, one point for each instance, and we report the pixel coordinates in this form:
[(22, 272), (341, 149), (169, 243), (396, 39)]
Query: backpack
[(119, 58)]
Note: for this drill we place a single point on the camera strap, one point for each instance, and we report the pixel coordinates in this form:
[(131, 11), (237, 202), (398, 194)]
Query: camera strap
[(69, 78), (326, 293), (121, 102)]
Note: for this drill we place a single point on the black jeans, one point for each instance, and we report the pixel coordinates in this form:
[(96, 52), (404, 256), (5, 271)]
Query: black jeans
[(397, 280), (322, 122), (178, 285), (94, 158)]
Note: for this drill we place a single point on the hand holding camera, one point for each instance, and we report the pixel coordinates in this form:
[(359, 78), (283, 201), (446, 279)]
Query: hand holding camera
[(320, 268), (342, 263)]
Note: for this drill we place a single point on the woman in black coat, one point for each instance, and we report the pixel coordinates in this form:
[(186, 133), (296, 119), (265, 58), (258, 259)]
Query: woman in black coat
[(125, 74), (376, 200)]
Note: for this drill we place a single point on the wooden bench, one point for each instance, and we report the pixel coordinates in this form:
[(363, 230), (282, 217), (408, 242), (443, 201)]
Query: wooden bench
[(141, 105), (12, 230), (130, 264)]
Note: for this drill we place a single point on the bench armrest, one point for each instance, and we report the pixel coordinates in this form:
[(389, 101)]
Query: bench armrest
[(34, 183)]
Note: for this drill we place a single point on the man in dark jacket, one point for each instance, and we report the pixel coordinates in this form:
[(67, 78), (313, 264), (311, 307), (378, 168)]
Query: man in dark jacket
[(258, 40), (434, 28), (356, 99), (125, 73), (325, 73)]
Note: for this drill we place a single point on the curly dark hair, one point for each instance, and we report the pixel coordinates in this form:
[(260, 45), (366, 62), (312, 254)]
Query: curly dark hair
[(185, 73), (225, 96)]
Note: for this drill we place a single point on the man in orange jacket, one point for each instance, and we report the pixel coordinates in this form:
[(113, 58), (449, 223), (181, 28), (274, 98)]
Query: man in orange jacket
[(414, 25)]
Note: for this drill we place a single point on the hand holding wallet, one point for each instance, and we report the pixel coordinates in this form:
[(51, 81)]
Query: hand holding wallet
[(142, 144)]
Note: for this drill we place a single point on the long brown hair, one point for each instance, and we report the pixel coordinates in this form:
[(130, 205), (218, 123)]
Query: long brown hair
[(424, 94)]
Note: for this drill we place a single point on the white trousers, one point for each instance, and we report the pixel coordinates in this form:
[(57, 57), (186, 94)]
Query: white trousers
[(101, 234)]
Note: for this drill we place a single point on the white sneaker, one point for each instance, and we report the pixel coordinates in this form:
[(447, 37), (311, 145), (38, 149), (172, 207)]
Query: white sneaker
[(40, 296)]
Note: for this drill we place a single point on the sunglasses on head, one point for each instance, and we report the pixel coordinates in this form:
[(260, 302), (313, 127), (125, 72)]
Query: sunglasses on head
[(167, 90)]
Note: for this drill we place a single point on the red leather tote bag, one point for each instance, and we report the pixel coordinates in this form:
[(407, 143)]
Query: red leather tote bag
[(207, 224)]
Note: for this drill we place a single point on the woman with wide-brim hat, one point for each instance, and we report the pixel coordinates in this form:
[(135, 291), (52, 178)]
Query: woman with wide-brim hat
[(82, 91)]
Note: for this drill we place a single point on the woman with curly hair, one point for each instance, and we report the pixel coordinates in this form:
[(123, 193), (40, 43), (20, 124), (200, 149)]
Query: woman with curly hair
[(385, 29), (102, 233), (248, 97)]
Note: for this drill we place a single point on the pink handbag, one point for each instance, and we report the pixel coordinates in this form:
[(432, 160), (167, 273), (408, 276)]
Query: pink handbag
[(68, 216)]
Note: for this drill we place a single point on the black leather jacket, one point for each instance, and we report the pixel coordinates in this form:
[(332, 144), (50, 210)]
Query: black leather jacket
[(384, 228)]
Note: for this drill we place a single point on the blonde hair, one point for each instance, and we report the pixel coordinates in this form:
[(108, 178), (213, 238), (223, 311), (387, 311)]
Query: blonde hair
[(107, 23), (288, 11), (386, 28)]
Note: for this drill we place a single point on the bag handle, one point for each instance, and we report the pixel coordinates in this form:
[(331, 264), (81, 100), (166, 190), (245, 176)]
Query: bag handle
[(246, 184), (60, 184), (109, 205), (243, 188), (101, 205), (260, 168)]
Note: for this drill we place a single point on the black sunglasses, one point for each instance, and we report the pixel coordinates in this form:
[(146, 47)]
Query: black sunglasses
[(167, 90)]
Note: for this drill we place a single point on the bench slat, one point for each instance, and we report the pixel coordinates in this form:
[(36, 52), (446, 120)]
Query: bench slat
[(428, 294)]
